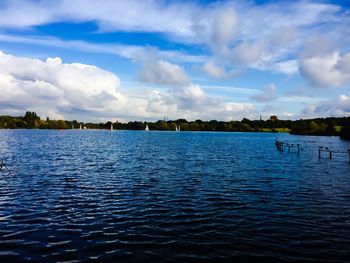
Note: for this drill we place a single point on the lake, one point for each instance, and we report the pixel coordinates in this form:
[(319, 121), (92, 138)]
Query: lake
[(78, 196)]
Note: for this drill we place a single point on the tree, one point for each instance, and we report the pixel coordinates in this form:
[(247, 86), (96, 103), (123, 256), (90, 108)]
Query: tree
[(61, 124), (330, 130), (313, 127), (345, 132), (273, 118), (244, 127), (31, 119)]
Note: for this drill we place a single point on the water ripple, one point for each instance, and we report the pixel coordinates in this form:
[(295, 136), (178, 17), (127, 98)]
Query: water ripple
[(88, 196)]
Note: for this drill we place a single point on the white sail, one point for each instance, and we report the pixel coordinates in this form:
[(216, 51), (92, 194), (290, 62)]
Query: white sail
[(176, 128), (111, 126), (80, 127), (147, 129)]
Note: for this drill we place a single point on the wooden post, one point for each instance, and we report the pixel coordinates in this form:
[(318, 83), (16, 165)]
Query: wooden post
[(319, 152), (330, 155), (349, 155), (298, 148)]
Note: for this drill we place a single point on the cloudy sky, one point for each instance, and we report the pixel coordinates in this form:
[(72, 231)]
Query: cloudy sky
[(142, 60)]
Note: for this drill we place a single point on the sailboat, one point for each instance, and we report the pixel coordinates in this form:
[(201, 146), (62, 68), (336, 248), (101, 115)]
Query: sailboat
[(111, 126), (80, 127), (177, 128), (146, 129)]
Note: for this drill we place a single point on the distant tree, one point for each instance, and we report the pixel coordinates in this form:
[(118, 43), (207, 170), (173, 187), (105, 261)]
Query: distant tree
[(162, 125), (194, 126), (330, 130), (313, 127), (182, 120), (108, 125), (273, 118), (245, 120), (345, 132), (31, 119), (244, 127), (299, 127), (21, 124), (11, 124), (61, 124)]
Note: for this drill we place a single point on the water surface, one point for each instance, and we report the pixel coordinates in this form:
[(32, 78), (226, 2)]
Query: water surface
[(165, 196)]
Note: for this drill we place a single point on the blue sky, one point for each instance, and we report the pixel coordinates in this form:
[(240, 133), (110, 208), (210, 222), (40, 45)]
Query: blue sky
[(143, 60)]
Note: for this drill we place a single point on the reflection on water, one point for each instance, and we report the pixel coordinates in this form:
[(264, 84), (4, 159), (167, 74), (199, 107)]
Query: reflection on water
[(166, 196)]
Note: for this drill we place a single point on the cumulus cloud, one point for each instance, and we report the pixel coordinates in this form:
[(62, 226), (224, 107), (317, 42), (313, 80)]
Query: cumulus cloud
[(238, 33), (219, 72), (78, 91), (191, 97), (224, 30), (267, 94), (213, 70), (333, 107), (161, 102), (283, 36), (288, 67), (163, 73), (326, 70), (54, 87), (246, 53)]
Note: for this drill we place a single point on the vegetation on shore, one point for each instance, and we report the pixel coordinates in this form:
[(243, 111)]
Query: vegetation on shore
[(320, 126)]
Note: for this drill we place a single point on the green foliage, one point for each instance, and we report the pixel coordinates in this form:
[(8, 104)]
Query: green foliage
[(316, 126), (345, 132), (319, 126), (244, 127), (31, 119), (313, 127)]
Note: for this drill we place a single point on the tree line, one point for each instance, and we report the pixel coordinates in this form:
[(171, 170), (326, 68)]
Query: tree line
[(331, 126)]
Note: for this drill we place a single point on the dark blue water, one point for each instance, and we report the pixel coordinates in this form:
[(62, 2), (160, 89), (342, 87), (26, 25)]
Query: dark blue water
[(81, 196)]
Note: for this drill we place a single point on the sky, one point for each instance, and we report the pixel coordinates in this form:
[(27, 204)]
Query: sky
[(106, 60)]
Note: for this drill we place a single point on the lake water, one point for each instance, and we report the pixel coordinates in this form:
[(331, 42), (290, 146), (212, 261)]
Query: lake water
[(165, 196)]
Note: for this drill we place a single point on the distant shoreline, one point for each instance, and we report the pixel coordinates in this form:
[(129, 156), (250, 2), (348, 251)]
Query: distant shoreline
[(330, 126)]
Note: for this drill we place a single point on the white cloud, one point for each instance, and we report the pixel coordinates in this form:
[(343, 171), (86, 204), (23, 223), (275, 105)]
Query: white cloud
[(238, 33), (160, 102), (52, 86), (191, 97), (226, 37), (126, 51), (332, 107), (267, 94), (283, 36), (132, 15), (326, 70), (224, 30), (219, 72), (162, 73), (246, 53), (213, 70), (77, 91), (287, 67)]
